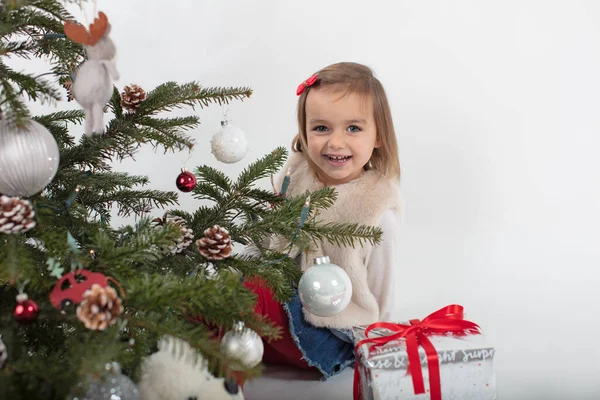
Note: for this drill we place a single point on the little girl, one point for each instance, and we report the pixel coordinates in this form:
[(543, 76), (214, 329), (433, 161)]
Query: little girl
[(346, 140)]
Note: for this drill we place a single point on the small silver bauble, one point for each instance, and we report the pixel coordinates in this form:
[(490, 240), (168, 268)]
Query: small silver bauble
[(229, 145), (29, 158), (3, 353), (325, 289), (244, 345), (114, 386)]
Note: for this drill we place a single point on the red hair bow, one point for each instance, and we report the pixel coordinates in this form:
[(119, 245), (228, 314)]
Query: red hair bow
[(309, 82)]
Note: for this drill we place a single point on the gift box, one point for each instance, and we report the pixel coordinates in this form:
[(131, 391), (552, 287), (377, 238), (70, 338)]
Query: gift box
[(451, 360)]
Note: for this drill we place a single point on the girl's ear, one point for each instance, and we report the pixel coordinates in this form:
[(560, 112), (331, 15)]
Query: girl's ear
[(377, 143)]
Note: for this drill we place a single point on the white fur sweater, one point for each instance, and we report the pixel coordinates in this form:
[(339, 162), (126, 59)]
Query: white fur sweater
[(364, 200)]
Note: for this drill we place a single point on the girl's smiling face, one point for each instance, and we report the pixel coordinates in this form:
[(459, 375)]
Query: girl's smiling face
[(341, 134)]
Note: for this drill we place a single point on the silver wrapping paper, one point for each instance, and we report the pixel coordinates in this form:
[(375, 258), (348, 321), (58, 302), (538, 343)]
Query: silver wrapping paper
[(466, 368)]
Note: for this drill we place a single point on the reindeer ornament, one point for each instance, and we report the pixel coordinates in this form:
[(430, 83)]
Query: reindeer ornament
[(93, 86)]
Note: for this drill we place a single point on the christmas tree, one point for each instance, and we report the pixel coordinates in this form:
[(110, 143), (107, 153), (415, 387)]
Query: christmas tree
[(78, 294)]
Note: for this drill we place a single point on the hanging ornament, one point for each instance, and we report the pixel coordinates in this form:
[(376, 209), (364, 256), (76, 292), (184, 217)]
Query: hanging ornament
[(131, 97), (93, 87), (26, 310), (28, 158), (55, 268), (100, 307), (229, 145), (113, 386), (16, 215), (216, 243), (324, 289), (183, 241), (3, 353), (242, 345), (71, 287), (186, 181)]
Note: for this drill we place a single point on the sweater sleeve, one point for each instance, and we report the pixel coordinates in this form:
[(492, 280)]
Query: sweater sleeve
[(382, 270)]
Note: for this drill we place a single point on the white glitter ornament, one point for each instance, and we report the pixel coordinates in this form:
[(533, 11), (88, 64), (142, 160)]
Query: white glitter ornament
[(229, 145)]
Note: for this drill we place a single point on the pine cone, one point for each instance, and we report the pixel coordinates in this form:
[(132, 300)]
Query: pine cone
[(216, 243), (182, 242), (100, 307), (68, 85), (16, 215), (67, 81), (131, 97)]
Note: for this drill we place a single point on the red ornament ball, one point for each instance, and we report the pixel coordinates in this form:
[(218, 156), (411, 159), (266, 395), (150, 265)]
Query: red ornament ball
[(186, 181), (26, 311)]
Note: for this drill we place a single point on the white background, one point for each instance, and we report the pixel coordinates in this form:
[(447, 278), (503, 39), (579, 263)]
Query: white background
[(496, 106)]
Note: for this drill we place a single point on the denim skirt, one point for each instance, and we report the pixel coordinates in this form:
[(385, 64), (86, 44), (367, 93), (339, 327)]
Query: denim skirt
[(328, 350)]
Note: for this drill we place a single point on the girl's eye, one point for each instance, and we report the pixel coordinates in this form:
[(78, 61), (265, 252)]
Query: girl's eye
[(353, 128), (320, 128)]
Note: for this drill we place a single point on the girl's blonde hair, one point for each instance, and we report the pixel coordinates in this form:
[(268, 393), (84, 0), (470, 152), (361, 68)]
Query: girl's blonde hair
[(346, 78)]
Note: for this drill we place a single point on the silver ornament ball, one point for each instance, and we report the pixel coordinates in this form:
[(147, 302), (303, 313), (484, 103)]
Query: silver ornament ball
[(29, 158), (229, 145), (325, 289), (244, 345), (114, 386), (3, 353)]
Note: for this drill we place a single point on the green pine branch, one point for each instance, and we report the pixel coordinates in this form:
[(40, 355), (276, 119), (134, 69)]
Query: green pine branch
[(129, 246), (32, 19), (113, 181), (130, 202), (168, 132), (57, 124), (214, 177), (23, 26), (12, 107), (138, 128), (93, 154), (55, 9), (16, 259), (100, 191), (344, 234), (127, 131), (262, 197), (35, 88), (20, 48), (203, 218), (280, 272), (68, 116), (206, 191), (262, 168), (171, 95)]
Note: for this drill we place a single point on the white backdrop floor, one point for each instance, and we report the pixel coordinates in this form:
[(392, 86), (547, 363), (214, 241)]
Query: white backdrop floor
[(281, 382)]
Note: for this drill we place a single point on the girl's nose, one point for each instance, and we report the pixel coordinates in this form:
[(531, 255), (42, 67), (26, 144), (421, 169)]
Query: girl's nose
[(336, 140)]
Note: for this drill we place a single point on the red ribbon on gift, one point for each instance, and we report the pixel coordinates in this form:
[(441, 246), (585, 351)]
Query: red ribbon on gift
[(449, 319)]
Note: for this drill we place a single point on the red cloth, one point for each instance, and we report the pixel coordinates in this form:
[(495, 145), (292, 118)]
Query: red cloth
[(283, 350)]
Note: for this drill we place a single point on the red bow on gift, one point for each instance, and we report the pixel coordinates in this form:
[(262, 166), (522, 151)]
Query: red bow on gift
[(309, 82), (446, 320)]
